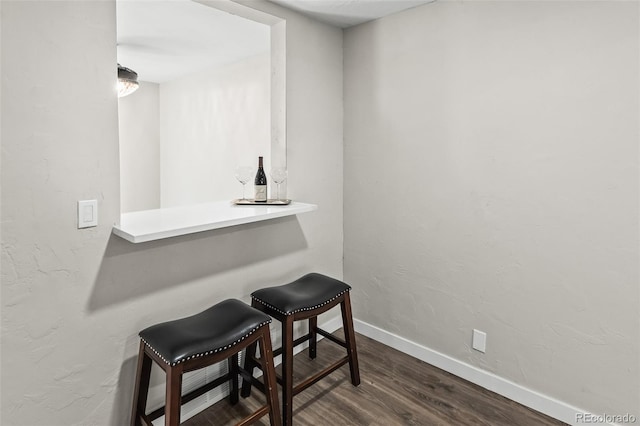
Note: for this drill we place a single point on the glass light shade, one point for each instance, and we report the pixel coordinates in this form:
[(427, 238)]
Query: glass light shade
[(127, 81), (126, 87)]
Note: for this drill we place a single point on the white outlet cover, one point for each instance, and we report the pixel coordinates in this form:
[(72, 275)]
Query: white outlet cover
[(479, 341)]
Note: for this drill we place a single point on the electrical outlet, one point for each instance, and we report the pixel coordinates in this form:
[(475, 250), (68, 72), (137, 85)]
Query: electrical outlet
[(479, 341)]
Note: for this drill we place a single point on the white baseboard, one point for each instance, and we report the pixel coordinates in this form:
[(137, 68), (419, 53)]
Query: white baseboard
[(527, 397)]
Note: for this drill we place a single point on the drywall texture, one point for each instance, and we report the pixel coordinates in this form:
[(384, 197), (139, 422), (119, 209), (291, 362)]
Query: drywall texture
[(139, 136), (210, 123), (491, 182), (74, 300)]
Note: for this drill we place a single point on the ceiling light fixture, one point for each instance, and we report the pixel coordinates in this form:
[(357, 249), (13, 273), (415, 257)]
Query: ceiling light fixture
[(127, 81)]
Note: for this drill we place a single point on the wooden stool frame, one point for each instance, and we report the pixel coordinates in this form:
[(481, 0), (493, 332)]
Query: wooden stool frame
[(288, 343), (174, 399)]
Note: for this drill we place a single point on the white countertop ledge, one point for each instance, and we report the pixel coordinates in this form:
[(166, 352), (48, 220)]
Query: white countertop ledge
[(150, 225)]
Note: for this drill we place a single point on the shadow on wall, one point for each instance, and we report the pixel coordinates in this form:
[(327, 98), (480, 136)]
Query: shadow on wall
[(124, 393), (132, 270)]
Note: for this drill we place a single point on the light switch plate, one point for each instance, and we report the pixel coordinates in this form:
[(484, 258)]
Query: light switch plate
[(87, 213)]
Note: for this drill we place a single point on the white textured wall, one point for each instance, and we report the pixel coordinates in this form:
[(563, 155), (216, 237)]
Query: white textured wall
[(491, 182), (139, 136), (210, 123), (73, 300)]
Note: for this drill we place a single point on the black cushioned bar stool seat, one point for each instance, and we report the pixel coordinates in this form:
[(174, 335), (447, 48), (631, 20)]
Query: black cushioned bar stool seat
[(216, 334), (304, 298)]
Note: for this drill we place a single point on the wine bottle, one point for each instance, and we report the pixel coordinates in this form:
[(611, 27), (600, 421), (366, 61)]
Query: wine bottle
[(261, 183)]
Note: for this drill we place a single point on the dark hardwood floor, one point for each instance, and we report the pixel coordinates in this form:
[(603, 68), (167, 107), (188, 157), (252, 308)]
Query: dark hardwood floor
[(396, 389)]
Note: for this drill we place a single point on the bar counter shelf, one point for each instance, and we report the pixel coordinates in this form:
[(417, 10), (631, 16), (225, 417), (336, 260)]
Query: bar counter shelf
[(157, 224)]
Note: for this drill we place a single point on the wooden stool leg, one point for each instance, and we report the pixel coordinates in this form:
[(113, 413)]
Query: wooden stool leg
[(269, 374), (350, 339), (313, 337), (249, 366), (233, 379), (173, 396), (141, 389), (287, 370)]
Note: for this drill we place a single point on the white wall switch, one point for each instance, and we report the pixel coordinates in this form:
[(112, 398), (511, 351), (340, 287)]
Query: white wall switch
[(479, 341), (87, 213)]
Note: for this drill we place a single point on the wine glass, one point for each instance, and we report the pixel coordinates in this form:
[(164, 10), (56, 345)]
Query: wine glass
[(244, 174), (279, 175)]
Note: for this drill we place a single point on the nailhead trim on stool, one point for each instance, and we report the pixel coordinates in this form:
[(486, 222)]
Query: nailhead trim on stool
[(203, 353), (308, 308)]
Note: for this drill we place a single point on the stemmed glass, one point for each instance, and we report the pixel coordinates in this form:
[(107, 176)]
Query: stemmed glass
[(244, 175), (279, 175)]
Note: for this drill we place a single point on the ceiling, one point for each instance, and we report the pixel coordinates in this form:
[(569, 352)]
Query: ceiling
[(164, 40), (347, 13)]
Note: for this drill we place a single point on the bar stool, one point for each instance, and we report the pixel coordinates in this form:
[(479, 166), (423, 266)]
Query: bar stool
[(305, 298), (216, 334)]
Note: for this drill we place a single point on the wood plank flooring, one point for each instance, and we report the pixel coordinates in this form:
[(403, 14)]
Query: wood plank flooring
[(396, 389)]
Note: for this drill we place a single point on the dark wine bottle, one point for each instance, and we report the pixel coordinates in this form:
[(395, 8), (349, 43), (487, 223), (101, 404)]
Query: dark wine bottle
[(261, 183)]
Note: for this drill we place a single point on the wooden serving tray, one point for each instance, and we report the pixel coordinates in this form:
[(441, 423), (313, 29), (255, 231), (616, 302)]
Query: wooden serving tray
[(252, 202)]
